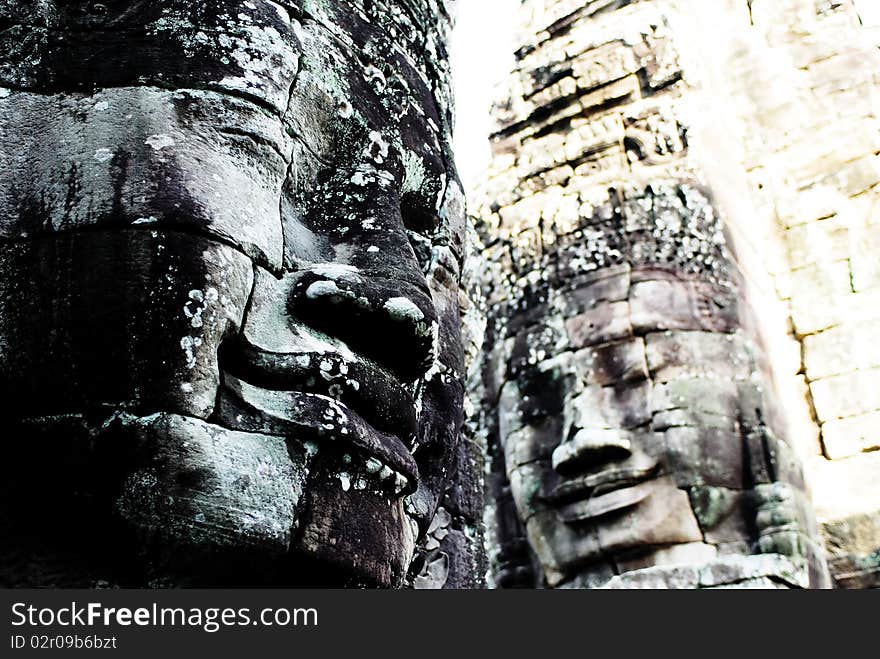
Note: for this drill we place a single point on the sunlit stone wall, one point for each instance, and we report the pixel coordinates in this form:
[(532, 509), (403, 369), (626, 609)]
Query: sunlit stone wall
[(791, 87)]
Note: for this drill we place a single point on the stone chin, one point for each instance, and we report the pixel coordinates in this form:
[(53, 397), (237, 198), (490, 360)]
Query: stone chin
[(587, 534)]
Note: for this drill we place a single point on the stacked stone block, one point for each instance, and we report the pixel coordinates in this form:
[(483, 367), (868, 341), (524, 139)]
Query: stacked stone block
[(799, 82)]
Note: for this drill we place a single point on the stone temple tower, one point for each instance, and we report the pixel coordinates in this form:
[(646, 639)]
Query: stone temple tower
[(661, 390)]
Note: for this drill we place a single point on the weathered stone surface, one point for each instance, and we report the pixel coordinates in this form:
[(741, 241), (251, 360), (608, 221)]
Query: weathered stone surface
[(198, 494), (829, 282), (854, 557), (594, 192), (608, 285), (678, 355), (560, 547), (842, 349), (664, 518), (533, 442), (848, 437), (761, 572), (680, 305), (722, 513), (706, 456), (694, 553), (622, 406), (824, 240), (613, 363), (849, 486), (135, 320), (863, 258), (377, 554), (244, 217), (716, 397), (847, 395), (77, 162), (604, 323)]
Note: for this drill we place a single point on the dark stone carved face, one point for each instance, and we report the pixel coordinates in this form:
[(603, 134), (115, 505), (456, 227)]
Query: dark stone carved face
[(231, 237)]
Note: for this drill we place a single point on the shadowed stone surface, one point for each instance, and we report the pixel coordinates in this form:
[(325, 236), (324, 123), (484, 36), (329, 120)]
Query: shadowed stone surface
[(231, 238)]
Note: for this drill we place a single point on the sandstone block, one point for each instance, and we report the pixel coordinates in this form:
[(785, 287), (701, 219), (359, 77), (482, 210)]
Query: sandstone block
[(605, 323), (847, 395), (848, 437)]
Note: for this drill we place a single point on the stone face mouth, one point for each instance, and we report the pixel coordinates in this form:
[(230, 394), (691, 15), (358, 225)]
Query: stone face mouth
[(346, 403), (603, 504), (360, 383), (590, 496)]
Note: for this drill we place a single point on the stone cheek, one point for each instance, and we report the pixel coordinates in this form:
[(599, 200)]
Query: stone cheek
[(137, 318)]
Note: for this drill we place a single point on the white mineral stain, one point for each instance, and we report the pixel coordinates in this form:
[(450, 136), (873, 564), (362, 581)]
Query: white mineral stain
[(309, 340), (159, 142), (381, 145), (194, 307), (402, 308), (414, 173), (322, 289), (103, 155), (101, 106), (336, 271), (344, 109), (189, 344)]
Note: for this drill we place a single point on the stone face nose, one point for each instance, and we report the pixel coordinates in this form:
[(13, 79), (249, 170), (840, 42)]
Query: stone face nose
[(589, 448), (392, 322), (358, 277)]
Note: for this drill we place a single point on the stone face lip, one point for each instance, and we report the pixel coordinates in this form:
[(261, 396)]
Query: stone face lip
[(358, 383), (598, 483), (312, 416), (603, 504)]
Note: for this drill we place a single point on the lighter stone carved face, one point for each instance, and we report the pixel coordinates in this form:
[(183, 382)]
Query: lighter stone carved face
[(231, 238), (644, 459), (595, 492)]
